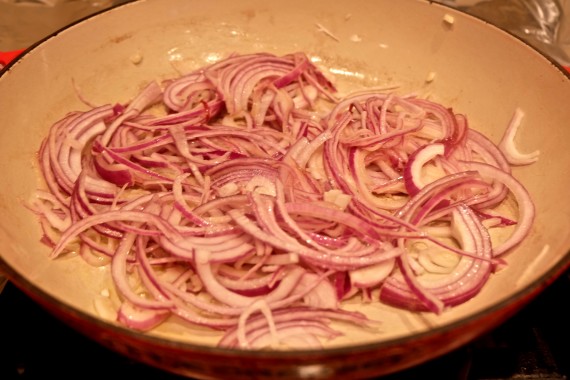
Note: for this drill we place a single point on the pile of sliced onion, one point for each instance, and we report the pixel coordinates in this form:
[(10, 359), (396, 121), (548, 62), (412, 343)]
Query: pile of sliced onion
[(249, 197)]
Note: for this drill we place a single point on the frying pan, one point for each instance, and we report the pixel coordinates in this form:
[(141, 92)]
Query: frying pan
[(410, 46)]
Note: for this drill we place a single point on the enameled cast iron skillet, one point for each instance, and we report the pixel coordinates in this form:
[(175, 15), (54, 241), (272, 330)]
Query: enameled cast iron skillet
[(480, 71)]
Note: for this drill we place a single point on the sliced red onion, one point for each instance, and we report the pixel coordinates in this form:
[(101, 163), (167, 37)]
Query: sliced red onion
[(417, 160), (140, 318), (507, 143), (246, 197), (466, 280)]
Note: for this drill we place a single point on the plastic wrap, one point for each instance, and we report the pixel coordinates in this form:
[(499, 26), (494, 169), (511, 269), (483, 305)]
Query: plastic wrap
[(542, 23)]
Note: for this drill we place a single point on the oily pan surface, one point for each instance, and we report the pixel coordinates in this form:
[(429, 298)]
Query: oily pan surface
[(478, 70)]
